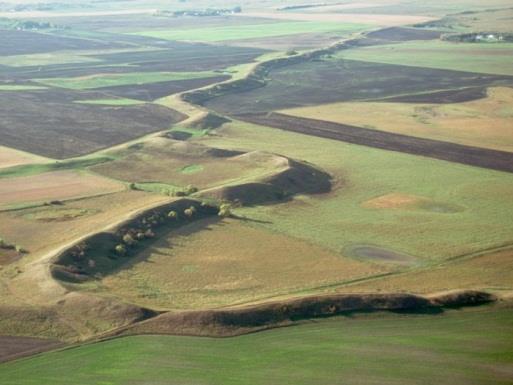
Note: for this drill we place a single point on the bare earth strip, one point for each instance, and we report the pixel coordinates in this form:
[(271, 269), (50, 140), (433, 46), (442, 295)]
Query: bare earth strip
[(57, 185), (473, 156), (15, 347), (381, 20)]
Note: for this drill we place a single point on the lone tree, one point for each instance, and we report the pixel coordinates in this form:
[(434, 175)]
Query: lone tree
[(225, 210), (129, 240), (120, 249), (190, 211)]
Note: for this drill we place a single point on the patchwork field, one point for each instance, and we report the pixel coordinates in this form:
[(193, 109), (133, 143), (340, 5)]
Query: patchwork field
[(480, 123), (336, 80), (58, 185), (197, 267), (342, 168), (344, 350)]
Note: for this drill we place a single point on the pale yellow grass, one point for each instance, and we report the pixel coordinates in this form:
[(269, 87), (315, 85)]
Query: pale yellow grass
[(210, 264), (484, 123), (393, 201), (378, 20), (10, 157), (490, 271), (55, 185)]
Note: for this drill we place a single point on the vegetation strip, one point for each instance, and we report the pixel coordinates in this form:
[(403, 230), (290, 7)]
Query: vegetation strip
[(238, 321), (473, 156)]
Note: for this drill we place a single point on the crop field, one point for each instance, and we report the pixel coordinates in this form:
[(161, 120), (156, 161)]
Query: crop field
[(431, 232), (66, 129), (53, 186), (196, 267), (343, 350), (478, 123), (214, 34), (339, 80), (471, 57)]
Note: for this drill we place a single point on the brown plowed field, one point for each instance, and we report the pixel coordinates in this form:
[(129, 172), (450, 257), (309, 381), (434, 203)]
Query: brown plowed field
[(473, 156), (16, 347)]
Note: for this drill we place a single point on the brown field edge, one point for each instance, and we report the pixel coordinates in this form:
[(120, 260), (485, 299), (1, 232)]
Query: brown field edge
[(452, 152)]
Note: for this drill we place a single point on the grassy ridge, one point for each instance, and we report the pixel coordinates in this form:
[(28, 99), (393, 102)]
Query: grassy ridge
[(252, 31), (473, 57), (381, 348)]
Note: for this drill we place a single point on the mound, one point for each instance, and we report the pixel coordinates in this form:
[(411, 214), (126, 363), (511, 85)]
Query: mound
[(286, 178), (243, 320), (105, 251), (209, 121)]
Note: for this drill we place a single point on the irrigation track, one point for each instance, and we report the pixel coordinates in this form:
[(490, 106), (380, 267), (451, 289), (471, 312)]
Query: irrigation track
[(452, 152)]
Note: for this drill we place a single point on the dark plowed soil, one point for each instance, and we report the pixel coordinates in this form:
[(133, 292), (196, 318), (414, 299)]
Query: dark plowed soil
[(51, 123), (473, 156), (152, 91), (25, 42), (443, 97), (334, 80), (16, 347), (394, 34)]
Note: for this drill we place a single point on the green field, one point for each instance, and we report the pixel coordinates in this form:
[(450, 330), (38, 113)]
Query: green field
[(112, 102), (486, 58), (469, 347), (20, 87), (113, 80), (253, 31), (338, 221)]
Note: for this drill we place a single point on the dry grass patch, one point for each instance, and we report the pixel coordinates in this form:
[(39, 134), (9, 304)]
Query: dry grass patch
[(208, 264), (481, 123), (43, 229), (10, 157), (372, 20), (489, 271), (56, 185)]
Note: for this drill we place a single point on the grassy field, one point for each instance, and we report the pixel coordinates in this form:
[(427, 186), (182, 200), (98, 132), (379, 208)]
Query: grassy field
[(340, 221), (472, 347), (212, 34), (472, 57), (213, 263), (112, 102), (480, 123), (112, 80), (20, 87)]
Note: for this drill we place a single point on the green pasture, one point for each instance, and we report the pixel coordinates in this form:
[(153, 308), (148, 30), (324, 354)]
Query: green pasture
[(471, 347), (489, 58), (253, 31), (20, 87), (111, 102), (338, 221), (113, 80)]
